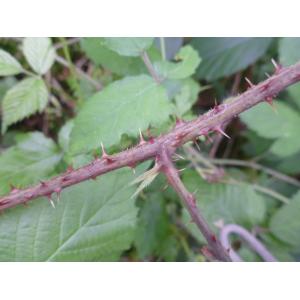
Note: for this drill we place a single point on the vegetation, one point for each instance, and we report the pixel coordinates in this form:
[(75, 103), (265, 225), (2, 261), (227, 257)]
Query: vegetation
[(114, 145)]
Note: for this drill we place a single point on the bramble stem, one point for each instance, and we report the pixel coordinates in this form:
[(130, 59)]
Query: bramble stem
[(149, 66), (178, 136), (250, 239), (189, 201)]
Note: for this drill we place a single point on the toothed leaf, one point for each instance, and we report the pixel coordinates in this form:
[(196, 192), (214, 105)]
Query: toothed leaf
[(94, 221), (152, 227), (288, 55), (116, 63), (8, 64), (33, 158), (239, 204), (39, 53), (281, 126), (128, 46), (226, 55), (188, 61), (125, 106), (285, 223), (24, 99)]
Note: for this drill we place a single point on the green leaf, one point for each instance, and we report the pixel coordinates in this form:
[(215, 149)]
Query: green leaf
[(231, 203), (64, 135), (5, 84), (8, 64), (289, 50), (152, 226), (111, 60), (33, 158), (124, 106), (24, 99), (285, 223), (128, 46), (288, 55), (282, 126), (93, 221), (187, 97), (188, 61), (39, 53), (225, 56)]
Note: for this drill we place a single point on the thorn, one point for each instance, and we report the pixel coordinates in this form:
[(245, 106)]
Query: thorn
[(269, 100), (251, 85), (142, 141), (132, 166), (43, 183), (195, 191), (95, 155), (179, 122), (181, 170), (105, 156), (277, 66), (150, 137), (268, 75), (13, 189), (94, 177), (58, 191), (216, 103), (165, 187), (196, 144), (25, 203), (50, 200), (179, 156), (70, 169), (220, 131), (28, 197)]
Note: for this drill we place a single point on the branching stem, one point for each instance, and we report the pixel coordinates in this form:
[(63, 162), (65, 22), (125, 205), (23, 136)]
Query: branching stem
[(189, 201), (183, 132)]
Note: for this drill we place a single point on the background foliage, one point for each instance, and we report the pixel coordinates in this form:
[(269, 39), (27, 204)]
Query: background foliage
[(61, 97)]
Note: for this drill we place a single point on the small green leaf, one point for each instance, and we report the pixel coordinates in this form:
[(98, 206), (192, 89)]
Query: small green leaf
[(33, 158), (231, 203), (5, 84), (281, 126), (187, 97), (64, 135), (225, 56), (93, 221), (152, 226), (39, 53), (288, 55), (8, 64), (124, 106), (111, 60), (128, 46), (285, 223), (188, 61), (289, 50), (24, 99)]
